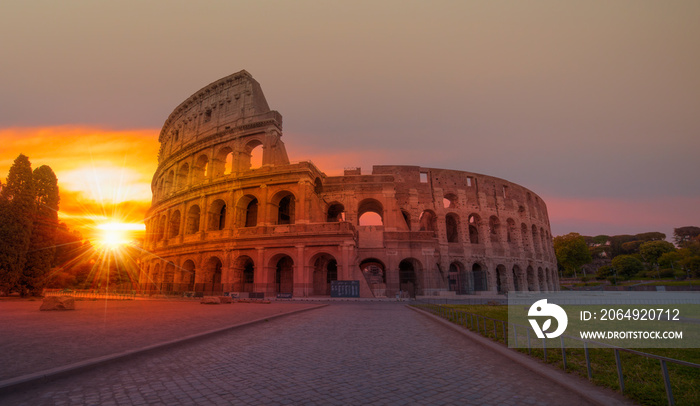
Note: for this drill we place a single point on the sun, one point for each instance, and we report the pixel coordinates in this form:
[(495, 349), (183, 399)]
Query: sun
[(115, 234)]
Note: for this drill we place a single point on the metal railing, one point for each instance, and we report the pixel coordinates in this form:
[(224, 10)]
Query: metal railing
[(91, 294), (471, 321)]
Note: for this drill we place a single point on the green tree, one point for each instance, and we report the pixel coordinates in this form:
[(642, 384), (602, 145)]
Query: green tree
[(627, 266), (42, 246), (16, 212), (671, 259), (572, 252), (651, 251), (684, 235)]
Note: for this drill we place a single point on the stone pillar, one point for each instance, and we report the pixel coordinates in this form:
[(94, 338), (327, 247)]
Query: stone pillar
[(203, 211), (300, 212), (344, 273), (263, 206), (261, 272), (300, 285)]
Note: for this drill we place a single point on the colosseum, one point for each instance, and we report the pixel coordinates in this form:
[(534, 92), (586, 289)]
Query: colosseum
[(231, 213)]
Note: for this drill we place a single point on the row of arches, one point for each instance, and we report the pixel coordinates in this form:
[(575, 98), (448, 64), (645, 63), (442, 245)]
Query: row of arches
[(532, 238), (245, 275), (201, 167), (218, 213)]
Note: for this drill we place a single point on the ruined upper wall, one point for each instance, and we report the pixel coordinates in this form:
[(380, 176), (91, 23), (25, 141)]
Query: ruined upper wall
[(235, 101)]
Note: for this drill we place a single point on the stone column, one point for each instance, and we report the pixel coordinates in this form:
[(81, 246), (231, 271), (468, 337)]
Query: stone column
[(300, 287)]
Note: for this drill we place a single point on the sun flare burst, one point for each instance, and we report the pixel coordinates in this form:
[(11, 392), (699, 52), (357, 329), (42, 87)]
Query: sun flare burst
[(115, 234)]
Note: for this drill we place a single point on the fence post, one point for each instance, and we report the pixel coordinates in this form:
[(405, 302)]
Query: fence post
[(667, 383), (619, 370), (544, 348), (505, 339), (494, 329), (529, 348), (563, 351), (588, 360)]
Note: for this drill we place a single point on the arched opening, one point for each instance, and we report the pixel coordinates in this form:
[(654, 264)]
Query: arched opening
[(473, 229), (285, 210), (217, 215), (193, 215), (244, 273), (284, 275), (168, 278), (370, 213), (160, 230), (452, 227), (174, 226), (408, 278), (406, 219), (374, 272), (182, 176), (532, 285), (544, 243), (336, 212), (511, 230), (449, 201), (494, 229), (155, 278), (249, 276), (516, 278), (501, 279), (481, 278), (251, 215), (256, 156), (213, 275), (458, 279), (428, 221), (252, 157), (542, 280), (224, 162), (187, 275), (535, 240), (325, 271), (523, 237), (199, 172), (170, 182)]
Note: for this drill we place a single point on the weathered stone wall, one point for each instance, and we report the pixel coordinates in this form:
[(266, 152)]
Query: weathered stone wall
[(218, 223)]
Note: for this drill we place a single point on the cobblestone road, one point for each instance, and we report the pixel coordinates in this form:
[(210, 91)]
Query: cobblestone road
[(343, 354)]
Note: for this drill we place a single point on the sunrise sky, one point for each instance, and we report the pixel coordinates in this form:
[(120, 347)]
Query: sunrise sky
[(593, 105)]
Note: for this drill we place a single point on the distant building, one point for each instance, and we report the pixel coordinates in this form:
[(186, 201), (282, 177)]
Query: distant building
[(220, 224)]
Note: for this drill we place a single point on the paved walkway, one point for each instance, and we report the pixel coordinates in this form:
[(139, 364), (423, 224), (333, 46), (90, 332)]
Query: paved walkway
[(33, 341), (343, 354)]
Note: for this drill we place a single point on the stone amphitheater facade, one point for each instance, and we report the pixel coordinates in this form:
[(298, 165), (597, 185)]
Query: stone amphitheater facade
[(222, 222)]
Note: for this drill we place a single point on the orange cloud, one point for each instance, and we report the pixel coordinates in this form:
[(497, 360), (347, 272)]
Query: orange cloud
[(103, 174)]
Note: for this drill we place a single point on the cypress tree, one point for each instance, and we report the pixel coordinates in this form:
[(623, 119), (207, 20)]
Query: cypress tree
[(42, 246), (17, 206)]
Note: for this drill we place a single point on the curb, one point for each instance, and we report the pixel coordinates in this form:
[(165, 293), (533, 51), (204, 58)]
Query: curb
[(14, 384), (579, 386)]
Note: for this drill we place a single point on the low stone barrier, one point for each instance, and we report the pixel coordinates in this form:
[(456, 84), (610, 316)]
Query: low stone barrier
[(210, 300), (58, 303)]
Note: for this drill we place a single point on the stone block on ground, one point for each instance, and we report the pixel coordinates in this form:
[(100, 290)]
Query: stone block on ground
[(225, 299), (58, 303), (210, 300)]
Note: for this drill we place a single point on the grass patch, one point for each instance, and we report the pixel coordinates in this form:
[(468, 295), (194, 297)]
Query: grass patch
[(643, 379)]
